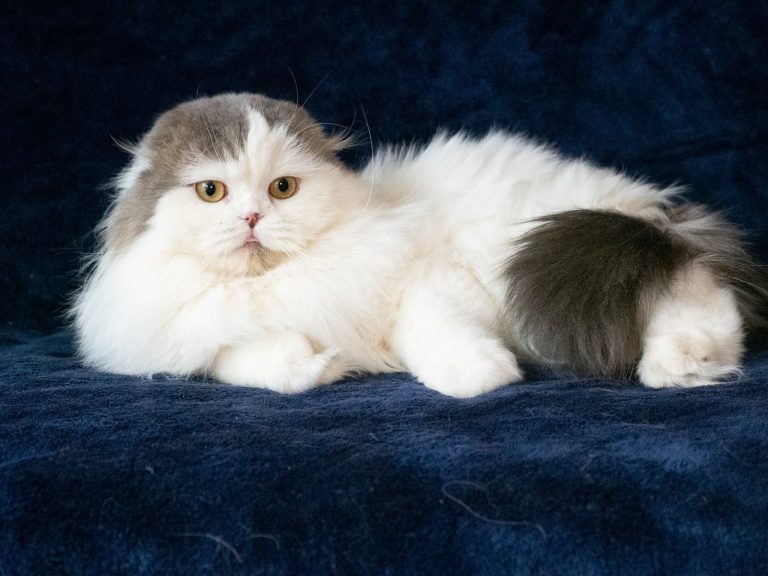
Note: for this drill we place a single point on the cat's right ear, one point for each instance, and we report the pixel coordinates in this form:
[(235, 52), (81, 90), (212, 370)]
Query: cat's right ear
[(138, 163), (131, 148)]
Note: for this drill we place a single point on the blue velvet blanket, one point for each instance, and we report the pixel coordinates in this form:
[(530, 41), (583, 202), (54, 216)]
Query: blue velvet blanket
[(103, 474)]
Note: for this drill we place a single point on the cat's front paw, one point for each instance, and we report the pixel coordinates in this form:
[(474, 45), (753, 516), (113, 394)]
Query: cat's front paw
[(309, 373), (285, 363), (471, 370)]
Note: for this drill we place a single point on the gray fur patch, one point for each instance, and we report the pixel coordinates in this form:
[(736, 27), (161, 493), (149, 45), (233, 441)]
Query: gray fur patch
[(300, 124), (582, 283), (578, 287), (207, 128)]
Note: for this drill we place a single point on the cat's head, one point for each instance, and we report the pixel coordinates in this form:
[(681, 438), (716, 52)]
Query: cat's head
[(237, 180)]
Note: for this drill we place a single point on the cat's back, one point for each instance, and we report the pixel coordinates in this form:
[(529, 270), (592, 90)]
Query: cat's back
[(464, 195), (459, 167), (502, 175)]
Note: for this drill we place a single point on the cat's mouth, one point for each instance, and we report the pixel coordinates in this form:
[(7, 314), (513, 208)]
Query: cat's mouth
[(251, 239)]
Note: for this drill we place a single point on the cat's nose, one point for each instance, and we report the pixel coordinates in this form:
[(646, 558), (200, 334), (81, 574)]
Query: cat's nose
[(252, 219)]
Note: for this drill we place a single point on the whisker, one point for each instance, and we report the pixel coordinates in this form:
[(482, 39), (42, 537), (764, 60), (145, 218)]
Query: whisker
[(209, 128), (370, 141), (325, 124), (290, 122), (295, 84), (303, 104)]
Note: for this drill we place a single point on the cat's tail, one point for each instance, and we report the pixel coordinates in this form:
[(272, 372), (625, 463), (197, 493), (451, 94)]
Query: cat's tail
[(582, 283)]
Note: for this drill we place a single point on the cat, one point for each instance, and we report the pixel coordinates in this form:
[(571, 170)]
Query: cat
[(238, 246)]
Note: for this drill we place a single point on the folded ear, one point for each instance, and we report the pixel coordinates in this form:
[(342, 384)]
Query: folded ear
[(138, 163), (132, 204), (346, 138)]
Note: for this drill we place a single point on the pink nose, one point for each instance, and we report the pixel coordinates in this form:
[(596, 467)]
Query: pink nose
[(252, 219)]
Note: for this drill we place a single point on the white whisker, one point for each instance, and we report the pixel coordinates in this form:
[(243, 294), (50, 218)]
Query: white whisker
[(303, 104), (209, 128), (370, 141), (295, 84)]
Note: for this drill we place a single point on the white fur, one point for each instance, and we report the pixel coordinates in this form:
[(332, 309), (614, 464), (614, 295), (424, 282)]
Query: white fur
[(393, 268)]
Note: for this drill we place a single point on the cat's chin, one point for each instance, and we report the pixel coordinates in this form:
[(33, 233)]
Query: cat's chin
[(248, 259)]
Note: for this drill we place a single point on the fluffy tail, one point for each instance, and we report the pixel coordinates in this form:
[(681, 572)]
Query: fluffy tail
[(582, 283)]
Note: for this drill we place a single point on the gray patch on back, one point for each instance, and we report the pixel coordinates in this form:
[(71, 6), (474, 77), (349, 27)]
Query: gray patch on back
[(581, 285), (578, 285), (207, 128)]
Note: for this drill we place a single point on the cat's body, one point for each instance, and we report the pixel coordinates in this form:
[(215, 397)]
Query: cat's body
[(410, 264)]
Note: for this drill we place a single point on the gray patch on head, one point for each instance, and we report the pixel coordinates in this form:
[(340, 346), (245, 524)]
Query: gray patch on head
[(208, 128), (580, 285), (300, 124)]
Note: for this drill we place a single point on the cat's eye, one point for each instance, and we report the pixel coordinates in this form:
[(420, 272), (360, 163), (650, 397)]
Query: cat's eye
[(211, 190), (283, 187)]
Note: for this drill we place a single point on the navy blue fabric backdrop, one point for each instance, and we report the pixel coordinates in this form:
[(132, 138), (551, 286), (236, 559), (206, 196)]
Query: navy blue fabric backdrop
[(106, 474)]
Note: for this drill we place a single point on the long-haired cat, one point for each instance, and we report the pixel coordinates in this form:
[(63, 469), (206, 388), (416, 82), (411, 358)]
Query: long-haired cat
[(239, 246)]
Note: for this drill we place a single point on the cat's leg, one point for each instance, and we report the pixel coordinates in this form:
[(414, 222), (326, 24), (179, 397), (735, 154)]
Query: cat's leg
[(284, 362), (222, 314), (220, 333), (445, 335), (694, 335)]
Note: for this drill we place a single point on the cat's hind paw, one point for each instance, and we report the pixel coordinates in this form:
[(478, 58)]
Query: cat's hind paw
[(693, 360)]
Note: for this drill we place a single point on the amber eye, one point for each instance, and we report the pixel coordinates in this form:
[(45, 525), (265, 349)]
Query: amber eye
[(284, 187), (211, 190)]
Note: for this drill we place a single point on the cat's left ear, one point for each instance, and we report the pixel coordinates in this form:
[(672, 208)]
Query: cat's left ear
[(339, 141)]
